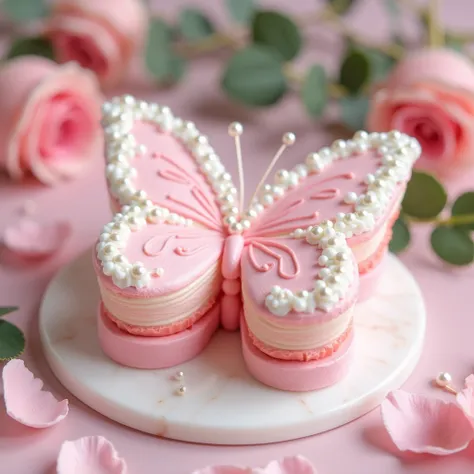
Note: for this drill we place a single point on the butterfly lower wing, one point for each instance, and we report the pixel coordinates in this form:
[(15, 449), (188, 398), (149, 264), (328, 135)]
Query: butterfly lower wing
[(154, 156), (157, 276), (298, 294)]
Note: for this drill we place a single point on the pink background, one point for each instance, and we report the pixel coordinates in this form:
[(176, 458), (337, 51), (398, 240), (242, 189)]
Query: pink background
[(360, 447)]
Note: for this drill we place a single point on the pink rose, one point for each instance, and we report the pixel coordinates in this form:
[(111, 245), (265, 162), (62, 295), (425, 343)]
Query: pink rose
[(430, 96), (49, 120), (101, 35)]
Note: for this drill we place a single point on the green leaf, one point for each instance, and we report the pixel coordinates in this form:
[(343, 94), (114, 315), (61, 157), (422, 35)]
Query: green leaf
[(254, 76), (353, 111), (355, 71), (194, 25), (463, 205), (161, 61), (453, 245), (341, 6), (425, 196), (12, 341), (454, 43), (37, 46), (7, 310), (380, 63), (314, 91), (241, 10), (277, 31), (400, 236), (25, 10)]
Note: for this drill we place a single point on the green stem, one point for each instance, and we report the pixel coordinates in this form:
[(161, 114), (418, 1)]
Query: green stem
[(450, 221)]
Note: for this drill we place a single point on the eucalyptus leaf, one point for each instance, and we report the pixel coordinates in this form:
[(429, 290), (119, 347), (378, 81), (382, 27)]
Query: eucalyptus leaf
[(341, 6), (277, 31), (355, 71), (463, 205), (400, 236), (241, 11), (314, 91), (453, 245), (194, 25), (36, 46), (425, 196), (12, 341), (454, 43), (7, 310), (25, 10), (161, 61), (353, 111), (255, 77), (380, 64)]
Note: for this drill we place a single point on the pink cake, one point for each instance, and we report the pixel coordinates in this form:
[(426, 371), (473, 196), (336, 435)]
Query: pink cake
[(182, 256)]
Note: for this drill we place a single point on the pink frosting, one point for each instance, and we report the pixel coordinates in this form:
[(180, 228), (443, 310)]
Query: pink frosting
[(99, 35), (49, 125)]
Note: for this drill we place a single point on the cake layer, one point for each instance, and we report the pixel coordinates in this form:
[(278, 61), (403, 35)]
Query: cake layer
[(296, 376), (156, 352)]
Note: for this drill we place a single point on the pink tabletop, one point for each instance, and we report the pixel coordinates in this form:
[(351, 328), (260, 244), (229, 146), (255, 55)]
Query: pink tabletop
[(359, 447)]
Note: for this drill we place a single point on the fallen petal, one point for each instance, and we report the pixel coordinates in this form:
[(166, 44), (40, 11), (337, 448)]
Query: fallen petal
[(425, 425), (26, 402), (90, 455), (288, 465), (469, 382), (465, 400), (31, 239)]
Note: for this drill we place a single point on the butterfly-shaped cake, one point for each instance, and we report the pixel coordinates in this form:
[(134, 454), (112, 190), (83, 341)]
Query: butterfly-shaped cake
[(183, 255)]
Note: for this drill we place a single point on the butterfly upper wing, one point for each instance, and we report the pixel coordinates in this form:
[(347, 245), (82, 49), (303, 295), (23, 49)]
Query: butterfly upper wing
[(344, 192), (152, 155)]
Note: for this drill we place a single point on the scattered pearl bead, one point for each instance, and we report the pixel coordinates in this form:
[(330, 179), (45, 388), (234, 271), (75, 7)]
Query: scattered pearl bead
[(181, 390), (443, 379)]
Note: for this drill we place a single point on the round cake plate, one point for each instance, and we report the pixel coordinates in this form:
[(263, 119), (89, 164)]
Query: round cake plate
[(223, 404)]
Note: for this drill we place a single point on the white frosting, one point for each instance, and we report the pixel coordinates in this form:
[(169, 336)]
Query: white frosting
[(298, 337)]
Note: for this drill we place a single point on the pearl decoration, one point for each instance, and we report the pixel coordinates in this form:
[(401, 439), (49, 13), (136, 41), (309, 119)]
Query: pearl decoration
[(443, 379), (235, 129), (181, 390), (289, 139)]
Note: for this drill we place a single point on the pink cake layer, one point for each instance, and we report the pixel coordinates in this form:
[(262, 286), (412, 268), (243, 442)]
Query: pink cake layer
[(156, 352), (296, 376)]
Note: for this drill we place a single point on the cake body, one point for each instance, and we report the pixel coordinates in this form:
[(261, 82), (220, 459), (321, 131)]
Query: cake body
[(180, 251)]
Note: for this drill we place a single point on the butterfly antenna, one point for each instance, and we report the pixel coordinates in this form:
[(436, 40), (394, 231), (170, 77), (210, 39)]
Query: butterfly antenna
[(235, 130), (288, 139)]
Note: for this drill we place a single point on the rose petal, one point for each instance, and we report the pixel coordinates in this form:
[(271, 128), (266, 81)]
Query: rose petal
[(91, 454), (32, 239), (465, 400), (288, 465), (425, 425), (469, 381), (25, 400)]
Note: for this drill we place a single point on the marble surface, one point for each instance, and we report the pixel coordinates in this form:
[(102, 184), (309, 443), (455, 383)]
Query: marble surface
[(223, 403)]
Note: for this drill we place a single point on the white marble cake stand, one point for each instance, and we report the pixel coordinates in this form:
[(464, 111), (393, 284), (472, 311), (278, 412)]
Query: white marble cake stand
[(223, 403)]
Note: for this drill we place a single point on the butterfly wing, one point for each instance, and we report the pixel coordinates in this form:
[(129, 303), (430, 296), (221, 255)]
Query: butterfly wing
[(153, 155), (299, 264), (163, 250)]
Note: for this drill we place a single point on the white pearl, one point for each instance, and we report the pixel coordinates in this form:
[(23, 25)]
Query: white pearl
[(181, 390), (361, 135), (443, 379), (235, 129), (350, 197), (289, 138)]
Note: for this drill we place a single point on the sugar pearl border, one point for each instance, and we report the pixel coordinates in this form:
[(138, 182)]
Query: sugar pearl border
[(335, 276), (114, 237)]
